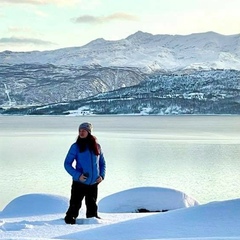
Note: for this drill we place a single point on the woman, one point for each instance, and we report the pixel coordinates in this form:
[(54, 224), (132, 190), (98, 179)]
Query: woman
[(88, 172)]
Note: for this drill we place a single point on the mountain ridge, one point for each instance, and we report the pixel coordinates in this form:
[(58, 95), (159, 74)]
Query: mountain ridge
[(72, 77), (197, 92), (143, 50)]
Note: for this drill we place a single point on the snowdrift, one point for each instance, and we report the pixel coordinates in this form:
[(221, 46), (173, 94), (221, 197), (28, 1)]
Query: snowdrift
[(40, 216), (153, 199), (217, 220), (35, 204)]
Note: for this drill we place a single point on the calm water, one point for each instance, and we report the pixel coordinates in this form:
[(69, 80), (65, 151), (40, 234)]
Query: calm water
[(199, 155)]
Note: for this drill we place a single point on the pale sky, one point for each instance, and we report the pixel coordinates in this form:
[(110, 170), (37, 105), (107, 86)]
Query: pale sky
[(27, 25)]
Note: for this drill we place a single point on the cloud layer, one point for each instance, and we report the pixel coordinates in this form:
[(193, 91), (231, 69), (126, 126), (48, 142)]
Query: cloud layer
[(40, 2), (104, 19), (15, 40)]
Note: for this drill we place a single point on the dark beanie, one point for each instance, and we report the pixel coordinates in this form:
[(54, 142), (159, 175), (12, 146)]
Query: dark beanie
[(87, 126)]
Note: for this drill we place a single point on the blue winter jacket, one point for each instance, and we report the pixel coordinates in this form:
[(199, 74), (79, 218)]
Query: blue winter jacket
[(85, 162)]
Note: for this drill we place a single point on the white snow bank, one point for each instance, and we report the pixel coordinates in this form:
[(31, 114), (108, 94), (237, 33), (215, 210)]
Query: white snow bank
[(35, 204), (214, 220), (40, 216), (149, 198)]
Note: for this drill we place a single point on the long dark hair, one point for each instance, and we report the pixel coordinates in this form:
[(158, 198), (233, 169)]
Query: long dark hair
[(89, 142)]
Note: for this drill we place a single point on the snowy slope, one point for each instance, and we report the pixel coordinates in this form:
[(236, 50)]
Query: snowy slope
[(185, 92), (143, 50), (215, 220)]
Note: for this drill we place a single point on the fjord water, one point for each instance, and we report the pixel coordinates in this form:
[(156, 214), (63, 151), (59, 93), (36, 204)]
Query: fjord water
[(199, 155)]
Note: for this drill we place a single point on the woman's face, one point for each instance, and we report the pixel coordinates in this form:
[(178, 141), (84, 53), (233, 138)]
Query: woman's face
[(83, 133)]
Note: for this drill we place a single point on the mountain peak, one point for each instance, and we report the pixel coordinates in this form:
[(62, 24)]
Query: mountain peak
[(96, 41), (144, 50), (139, 35)]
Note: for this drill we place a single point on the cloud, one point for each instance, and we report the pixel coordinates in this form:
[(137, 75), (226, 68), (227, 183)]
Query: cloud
[(104, 19), (20, 29), (34, 2), (40, 2), (22, 41), (41, 14)]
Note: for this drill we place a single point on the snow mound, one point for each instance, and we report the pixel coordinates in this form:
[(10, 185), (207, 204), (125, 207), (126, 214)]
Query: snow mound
[(145, 198), (216, 220), (35, 204)]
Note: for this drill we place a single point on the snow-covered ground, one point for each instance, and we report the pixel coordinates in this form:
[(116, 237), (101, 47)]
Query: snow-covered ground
[(40, 216)]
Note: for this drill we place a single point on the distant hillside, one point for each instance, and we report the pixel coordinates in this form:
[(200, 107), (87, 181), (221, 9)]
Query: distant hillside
[(196, 71), (203, 92), (145, 51)]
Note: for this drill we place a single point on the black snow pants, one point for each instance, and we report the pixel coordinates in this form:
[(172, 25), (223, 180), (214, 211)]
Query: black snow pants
[(78, 192)]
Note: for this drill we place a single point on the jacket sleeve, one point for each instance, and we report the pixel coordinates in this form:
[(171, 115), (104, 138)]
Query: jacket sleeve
[(102, 165), (71, 156)]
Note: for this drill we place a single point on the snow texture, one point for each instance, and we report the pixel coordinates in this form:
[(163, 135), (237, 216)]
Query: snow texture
[(40, 216)]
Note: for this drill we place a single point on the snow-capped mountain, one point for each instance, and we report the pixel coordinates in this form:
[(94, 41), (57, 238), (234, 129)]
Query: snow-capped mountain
[(38, 84), (197, 92), (148, 52), (54, 82)]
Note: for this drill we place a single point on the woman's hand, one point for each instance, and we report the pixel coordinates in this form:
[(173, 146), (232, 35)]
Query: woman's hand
[(99, 179), (82, 178)]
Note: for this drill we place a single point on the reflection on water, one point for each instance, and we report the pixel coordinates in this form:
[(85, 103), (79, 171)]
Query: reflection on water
[(197, 155)]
